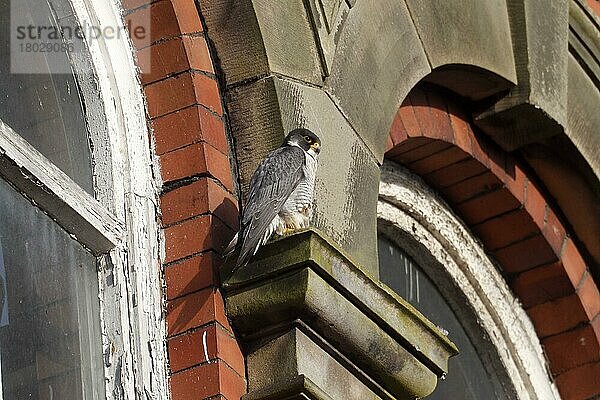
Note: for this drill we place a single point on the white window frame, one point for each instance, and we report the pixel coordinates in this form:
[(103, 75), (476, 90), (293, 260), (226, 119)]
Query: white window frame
[(120, 226)]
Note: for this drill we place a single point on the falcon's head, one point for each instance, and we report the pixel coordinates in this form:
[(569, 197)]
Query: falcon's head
[(305, 139)]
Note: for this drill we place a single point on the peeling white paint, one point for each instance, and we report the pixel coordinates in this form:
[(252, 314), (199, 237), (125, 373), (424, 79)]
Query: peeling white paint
[(84, 218), (133, 325), (408, 208), (204, 346)]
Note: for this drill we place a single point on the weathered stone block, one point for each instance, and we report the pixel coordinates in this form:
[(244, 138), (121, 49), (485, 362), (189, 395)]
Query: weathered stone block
[(328, 18), (547, 38), (583, 118), (289, 40), (236, 35), (254, 38), (306, 289), (468, 32), (536, 108), (294, 354), (379, 58)]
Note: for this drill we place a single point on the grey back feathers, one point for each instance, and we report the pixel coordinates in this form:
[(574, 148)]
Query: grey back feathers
[(275, 179)]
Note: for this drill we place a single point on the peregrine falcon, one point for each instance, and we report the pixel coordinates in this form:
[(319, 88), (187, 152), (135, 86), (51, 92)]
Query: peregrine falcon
[(280, 196)]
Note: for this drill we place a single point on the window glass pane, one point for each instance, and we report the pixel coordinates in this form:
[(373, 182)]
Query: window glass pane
[(467, 378), (50, 343), (45, 107)]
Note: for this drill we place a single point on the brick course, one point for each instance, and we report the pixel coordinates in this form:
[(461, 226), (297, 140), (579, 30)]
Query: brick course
[(508, 210), (220, 345), (198, 205)]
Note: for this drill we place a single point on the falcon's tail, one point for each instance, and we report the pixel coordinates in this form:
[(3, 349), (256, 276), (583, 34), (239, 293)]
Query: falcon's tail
[(244, 253), (232, 251), (249, 246), (231, 246)]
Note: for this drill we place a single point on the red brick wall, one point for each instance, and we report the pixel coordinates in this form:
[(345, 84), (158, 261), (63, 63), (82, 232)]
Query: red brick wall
[(503, 204), (197, 203), (595, 5)]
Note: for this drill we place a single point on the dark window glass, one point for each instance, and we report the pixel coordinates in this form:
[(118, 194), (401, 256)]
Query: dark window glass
[(467, 377), (49, 308), (45, 107)]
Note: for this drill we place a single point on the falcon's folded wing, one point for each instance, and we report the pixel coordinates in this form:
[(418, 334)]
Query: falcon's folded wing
[(271, 185)]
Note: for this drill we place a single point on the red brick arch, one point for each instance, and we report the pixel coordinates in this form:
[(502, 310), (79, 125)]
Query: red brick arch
[(499, 199), (197, 203)]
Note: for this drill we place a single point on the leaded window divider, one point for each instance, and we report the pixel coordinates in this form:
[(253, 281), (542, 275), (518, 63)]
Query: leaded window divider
[(55, 193)]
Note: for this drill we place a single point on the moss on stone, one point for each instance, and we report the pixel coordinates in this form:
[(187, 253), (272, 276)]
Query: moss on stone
[(307, 279)]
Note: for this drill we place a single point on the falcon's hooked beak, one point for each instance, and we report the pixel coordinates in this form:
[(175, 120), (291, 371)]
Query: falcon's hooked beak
[(316, 147)]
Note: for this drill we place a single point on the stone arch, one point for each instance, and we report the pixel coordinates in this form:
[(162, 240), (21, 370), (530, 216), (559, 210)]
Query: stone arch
[(505, 205), (405, 42), (414, 217), (352, 62)]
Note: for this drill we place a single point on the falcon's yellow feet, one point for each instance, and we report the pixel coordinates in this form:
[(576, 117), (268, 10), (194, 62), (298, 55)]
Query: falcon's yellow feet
[(288, 231)]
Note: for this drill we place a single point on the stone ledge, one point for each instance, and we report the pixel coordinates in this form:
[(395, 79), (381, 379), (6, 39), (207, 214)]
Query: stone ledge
[(299, 388), (304, 280)]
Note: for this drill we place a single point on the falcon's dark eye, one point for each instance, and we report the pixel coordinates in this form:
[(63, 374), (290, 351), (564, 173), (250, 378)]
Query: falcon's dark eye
[(307, 139)]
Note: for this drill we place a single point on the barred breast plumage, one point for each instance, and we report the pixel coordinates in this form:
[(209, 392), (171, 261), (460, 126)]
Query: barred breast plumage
[(297, 209)]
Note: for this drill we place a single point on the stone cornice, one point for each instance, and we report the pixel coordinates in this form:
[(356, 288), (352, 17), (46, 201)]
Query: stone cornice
[(306, 285)]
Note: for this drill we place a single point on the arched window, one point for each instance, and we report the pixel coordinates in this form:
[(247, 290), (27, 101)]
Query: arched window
[(468, 378), (430, 259), (78, 240)]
